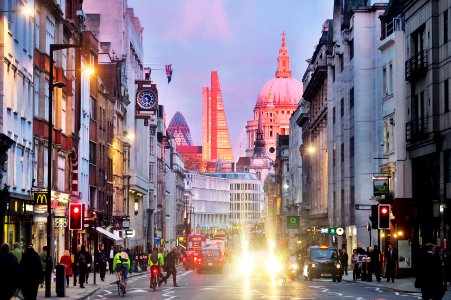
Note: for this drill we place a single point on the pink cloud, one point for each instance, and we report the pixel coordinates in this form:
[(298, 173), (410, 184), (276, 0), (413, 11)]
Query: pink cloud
[(202, 18)]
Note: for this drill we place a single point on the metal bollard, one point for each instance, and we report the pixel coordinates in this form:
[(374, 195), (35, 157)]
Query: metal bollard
[(60, 285)]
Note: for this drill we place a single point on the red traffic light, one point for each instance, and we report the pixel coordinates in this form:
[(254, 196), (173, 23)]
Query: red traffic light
[(75, 216), (384, 210)]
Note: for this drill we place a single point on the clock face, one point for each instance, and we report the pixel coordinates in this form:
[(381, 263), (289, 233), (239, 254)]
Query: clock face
[(146, 99)]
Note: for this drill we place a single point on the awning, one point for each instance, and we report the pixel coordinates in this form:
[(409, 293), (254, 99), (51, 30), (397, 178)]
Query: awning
[(108, 234)]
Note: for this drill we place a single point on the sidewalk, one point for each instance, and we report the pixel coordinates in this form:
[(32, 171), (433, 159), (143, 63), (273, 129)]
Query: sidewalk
[(404, 285), (75, 292)]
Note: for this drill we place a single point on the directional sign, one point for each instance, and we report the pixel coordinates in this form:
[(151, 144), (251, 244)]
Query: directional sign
[(125, 224), (324, 230)]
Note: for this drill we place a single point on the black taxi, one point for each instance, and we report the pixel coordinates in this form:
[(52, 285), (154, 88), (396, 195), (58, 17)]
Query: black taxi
[(322, 262)]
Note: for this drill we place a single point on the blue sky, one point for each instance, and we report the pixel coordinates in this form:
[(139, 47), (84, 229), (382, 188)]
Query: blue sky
[(238, 38)]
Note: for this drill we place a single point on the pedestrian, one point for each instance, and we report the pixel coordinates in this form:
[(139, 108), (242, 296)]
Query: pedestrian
[(43, 259), (130, 256), (88, 265), (101, 261), (354, 265), (31, 273), (66, 260), (430, 274), (344, 261), (17, 252), (360, 249), (111, 259), (9, 273), (369, 265), (75, 265), (376, 261), (391, 259), (81, 259), (169, 264)]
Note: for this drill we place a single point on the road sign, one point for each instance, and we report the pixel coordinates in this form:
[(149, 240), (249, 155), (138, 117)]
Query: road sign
[(157, 241), (126, 224), (362, 207), (129, 233), (292, 222)]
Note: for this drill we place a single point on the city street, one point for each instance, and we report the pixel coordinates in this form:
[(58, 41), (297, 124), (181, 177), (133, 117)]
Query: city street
[(233, 285)]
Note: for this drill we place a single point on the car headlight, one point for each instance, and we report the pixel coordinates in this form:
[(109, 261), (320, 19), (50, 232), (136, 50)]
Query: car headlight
[(313, 265), (338, 266)]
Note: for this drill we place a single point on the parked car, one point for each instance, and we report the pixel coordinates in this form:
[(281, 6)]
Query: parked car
[(322, 262)]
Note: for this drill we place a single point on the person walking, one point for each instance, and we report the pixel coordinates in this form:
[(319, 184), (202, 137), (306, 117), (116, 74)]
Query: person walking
[(170, 267), (101, 261), (66, 260), (376, 261), (81, 259), (88, 265), (430, 274), (111, 259), (344, 261), (17, 252), (9, 273), (391, 258), (354, 265), (75, 265), (31, 273)]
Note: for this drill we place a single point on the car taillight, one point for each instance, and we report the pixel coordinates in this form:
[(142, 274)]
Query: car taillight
[(200, 261), (195, 258), (183, 259)]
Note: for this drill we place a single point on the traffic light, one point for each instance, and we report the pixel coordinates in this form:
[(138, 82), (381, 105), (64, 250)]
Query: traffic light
[(374, 218), (75, 216), (384, 216), (332, 231)]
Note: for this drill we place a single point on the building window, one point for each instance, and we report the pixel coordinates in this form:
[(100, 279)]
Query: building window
[(63, 114), (151, 172), (61, 172), (333, 73), (384, 82), (92, 153), (446, 94), (50, 33), (333, 115), (351, 98), (351, 147), (351, 49), (334, 154), (340, 57), (445, 27), (342, 152), (342, 107), (390, 78)]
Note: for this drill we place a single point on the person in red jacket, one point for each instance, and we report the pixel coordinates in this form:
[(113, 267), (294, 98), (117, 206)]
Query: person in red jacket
[(66, 260)]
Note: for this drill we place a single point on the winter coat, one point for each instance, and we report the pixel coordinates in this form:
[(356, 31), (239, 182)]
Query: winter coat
[(430, 276), (9, 275), (67, 262), (30, 268)]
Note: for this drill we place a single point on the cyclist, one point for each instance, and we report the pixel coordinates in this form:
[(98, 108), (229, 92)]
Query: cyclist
[(156, 258), (121, 263)]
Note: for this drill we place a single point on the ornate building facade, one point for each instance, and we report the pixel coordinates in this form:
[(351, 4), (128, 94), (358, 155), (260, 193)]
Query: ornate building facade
[(277, 100)]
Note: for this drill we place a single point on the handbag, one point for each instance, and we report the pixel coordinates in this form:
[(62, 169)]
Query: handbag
[(17, 295)]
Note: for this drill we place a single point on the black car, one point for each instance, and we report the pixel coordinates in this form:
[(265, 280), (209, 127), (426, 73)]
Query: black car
[(210, 259), (322, 262)]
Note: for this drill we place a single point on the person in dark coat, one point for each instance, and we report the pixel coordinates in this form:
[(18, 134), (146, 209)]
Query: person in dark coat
[(75, 265), (376, 262), (9, 273), (81, 259), (88, 266), (344, 261), (31, 273), (101, 261), (169, 264), (430, 275), (391, 258)]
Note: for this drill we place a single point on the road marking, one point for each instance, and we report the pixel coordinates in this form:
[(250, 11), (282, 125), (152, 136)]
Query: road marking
[(137, 291), (186, 273)]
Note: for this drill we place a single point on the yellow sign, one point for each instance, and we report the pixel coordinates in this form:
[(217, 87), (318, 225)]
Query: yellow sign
[(40, 198)]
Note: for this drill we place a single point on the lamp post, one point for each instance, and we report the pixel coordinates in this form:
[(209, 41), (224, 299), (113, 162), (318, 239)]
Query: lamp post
[(52, 85)]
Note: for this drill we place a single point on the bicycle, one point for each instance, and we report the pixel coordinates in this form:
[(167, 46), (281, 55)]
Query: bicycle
[(120, 285)]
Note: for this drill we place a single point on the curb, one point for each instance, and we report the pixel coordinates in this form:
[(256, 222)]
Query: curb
[(380, 285), (83, 297)]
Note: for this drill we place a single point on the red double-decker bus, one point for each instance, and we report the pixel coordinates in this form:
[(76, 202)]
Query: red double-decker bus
[(196, 241)]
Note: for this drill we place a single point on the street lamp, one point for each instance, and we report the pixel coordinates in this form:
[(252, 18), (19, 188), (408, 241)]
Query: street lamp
[(25, 10), (52, 85)]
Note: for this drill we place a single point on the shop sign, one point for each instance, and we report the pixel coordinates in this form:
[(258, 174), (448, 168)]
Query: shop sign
[(380, 185), (40, 198), (60, 223)]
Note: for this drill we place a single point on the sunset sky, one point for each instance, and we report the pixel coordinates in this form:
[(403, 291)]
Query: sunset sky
[(238, 38)]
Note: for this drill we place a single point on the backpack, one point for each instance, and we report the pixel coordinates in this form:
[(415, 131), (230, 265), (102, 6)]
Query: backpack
[(124, 256), (82, 259), (154, 257)]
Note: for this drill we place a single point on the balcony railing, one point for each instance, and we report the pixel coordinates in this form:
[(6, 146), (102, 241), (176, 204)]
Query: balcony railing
[(417, 129), (397, 24), (417, 65)]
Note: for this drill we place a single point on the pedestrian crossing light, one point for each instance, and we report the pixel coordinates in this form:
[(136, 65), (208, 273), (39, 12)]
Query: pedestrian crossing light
[(332, 231), (384, 216), (75, 216)]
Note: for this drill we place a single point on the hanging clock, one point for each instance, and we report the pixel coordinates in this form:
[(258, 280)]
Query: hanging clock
[(146, 99)]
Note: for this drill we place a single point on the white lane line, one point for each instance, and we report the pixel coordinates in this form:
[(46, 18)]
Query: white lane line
[(184, 274)]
